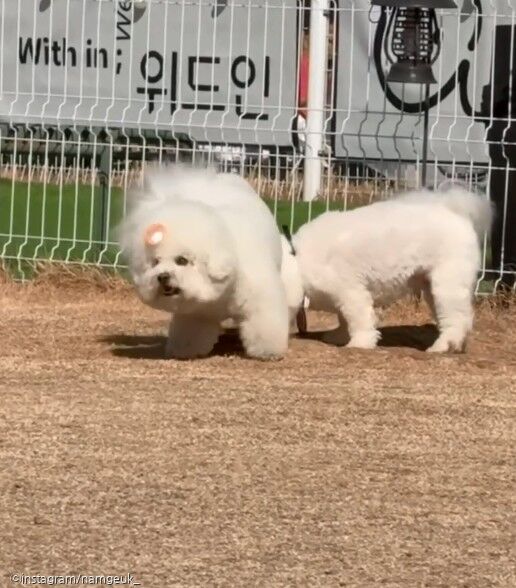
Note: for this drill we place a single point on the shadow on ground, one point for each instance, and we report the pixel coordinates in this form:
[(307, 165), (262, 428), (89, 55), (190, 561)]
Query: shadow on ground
[(153, 347), (418, 337)]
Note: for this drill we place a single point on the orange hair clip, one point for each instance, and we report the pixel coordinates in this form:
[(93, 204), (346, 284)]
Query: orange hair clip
[(154, 234)]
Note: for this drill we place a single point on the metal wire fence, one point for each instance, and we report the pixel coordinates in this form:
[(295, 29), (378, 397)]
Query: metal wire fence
[(292, 94)]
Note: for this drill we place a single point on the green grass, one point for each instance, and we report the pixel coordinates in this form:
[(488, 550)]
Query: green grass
[(58, 223), (64, 223), (39, 222), (298, 213)]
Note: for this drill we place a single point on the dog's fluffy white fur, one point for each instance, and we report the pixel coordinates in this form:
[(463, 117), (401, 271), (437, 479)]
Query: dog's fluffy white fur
[(214, 254), (423, 242)]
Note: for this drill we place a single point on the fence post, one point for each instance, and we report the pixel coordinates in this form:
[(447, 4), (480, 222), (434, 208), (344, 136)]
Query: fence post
[(316, 94), (101, 209)]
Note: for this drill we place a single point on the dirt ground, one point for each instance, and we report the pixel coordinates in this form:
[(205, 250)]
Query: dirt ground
[(330, 468)]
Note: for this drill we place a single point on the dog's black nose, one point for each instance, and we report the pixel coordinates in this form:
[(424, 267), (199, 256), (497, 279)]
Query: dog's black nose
[(163, 278)]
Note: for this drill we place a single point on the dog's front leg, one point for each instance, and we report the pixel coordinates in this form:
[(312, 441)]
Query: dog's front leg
[(357, 309), (190, 337), (264, 329)]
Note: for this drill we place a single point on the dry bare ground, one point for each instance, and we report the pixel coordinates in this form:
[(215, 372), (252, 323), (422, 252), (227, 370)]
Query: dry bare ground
[(329, 468)]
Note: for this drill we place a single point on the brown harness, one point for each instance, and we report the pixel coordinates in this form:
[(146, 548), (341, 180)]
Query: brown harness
[(301, 313)]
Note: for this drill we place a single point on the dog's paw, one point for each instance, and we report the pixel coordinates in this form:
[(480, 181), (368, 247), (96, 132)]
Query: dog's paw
[(264, 338), (272, 351), (265, 355), (443, 345), (364, 340)]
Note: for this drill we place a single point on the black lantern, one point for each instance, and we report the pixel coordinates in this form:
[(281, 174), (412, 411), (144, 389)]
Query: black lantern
[(414, 38)]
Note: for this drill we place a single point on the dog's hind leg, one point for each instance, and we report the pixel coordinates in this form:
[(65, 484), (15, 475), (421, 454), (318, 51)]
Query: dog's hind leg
[(452, 293), (191, 337), (356, 308)]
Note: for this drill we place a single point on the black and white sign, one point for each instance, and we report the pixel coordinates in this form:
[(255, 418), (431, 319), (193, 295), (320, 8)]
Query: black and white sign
[(218, 71), (384, 121)]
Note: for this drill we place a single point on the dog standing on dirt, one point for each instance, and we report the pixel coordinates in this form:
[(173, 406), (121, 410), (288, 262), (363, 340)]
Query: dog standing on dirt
[(423, 242), (204, 247)]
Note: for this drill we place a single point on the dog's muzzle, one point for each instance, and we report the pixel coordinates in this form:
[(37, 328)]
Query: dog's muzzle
[(166, 287)]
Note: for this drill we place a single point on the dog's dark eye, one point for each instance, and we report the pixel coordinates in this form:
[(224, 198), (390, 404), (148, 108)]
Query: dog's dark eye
[(181, 260), (155, 262)]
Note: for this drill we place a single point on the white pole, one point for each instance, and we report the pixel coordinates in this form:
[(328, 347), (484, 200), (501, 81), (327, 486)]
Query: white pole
[(316, 94)]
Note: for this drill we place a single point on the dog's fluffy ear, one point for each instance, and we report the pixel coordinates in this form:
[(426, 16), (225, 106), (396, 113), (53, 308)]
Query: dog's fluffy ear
[(220, 266)]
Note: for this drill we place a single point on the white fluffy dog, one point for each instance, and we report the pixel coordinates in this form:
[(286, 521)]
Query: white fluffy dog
[(204, 247), (424, 241)]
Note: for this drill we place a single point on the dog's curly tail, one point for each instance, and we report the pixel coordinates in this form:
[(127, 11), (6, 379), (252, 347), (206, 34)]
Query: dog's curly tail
[(478, 209)]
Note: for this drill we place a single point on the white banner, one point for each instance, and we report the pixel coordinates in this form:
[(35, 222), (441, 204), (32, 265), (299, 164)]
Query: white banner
[(380, 120), (217, 71)]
